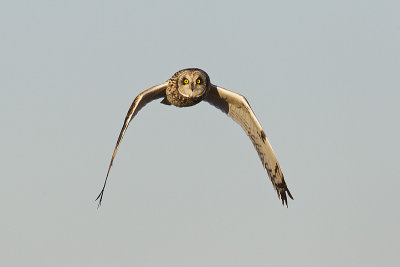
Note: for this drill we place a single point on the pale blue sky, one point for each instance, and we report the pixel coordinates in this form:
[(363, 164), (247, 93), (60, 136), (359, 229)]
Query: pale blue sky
[(322, 77)]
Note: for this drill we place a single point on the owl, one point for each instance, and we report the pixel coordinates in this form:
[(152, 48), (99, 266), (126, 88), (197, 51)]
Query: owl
[(189, 87)]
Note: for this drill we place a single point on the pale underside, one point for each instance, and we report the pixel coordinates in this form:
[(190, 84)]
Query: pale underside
[(236, 107)]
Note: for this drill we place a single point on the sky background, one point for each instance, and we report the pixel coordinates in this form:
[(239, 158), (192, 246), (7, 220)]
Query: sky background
[(187, 187)]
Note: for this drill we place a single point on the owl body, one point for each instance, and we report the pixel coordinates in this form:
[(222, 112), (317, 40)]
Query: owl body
[(187, 87)]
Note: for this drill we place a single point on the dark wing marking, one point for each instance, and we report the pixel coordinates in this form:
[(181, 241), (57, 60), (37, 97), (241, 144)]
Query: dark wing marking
[(237, 107), (140, 101)]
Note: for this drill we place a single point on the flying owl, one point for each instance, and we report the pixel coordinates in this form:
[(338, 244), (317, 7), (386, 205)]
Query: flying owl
[(188, 87)]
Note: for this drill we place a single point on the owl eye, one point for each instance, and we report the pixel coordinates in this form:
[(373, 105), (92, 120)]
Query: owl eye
[(198, 81), (185, 81)]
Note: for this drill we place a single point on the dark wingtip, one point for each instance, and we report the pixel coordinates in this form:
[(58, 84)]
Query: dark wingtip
[(290, 195), (100, 197), (283, 197)]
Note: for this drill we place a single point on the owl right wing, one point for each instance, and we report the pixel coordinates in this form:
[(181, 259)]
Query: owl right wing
[(140, 101), (237, 107)]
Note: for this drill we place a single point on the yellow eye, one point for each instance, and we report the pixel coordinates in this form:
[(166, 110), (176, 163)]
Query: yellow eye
[(185, 81), (198, 81)]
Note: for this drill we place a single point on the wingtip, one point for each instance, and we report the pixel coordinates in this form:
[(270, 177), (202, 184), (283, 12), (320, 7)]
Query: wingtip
[(290, 195), (282, 195), (98, 205), (100, 198), (284, 200)]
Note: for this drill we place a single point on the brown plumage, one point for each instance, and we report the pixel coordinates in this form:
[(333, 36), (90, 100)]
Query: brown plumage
[(190, 86)]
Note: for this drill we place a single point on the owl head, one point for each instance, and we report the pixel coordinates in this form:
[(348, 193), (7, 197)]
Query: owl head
[(188, 87), (192, 83)]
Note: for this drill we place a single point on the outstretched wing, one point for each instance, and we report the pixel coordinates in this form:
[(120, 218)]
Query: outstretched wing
[(140, 101), (237, 107)]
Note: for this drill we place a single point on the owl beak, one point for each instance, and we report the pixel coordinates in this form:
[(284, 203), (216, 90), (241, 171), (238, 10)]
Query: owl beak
[(192, 87)]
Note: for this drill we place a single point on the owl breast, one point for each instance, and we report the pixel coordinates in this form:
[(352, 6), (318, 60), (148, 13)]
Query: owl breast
[(179, 100)]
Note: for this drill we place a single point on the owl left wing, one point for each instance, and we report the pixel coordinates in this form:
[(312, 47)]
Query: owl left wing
[(140, 101), (237, 107)]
